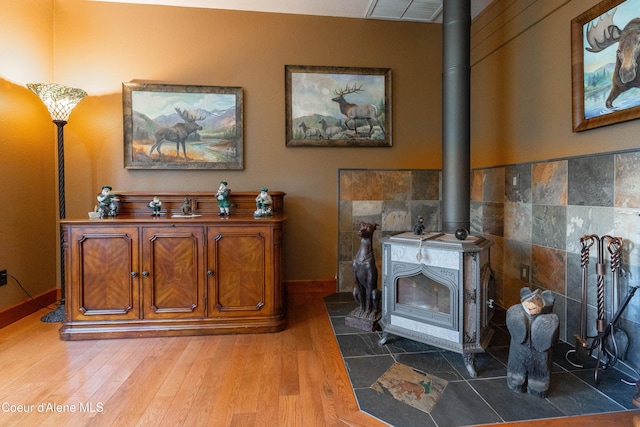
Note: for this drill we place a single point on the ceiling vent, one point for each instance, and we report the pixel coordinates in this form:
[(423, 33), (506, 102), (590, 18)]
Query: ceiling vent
[(406, 10)]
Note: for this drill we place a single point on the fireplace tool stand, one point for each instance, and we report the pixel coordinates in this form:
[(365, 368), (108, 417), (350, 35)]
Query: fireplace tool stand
[(611, 342)]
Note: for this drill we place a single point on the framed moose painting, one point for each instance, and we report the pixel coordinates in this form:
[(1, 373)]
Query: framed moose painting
[(605, 78), (337, 106), (182, 127)]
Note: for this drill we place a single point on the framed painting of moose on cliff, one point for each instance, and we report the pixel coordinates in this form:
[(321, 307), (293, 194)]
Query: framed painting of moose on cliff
[(337, 106), (182, 127), (605, 41)]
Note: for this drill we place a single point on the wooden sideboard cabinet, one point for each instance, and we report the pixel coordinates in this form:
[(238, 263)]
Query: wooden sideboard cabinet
[(136, 275)]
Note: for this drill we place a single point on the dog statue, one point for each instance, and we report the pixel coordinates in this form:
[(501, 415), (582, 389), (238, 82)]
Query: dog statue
[(365, 281)]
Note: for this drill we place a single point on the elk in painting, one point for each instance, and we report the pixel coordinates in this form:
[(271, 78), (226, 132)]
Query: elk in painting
[(353, 112)]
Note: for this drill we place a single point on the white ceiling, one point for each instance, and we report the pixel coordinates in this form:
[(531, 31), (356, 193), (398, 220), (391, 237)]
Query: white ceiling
[(398, 10)]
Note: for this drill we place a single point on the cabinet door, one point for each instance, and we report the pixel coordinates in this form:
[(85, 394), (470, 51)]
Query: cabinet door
[(240, 271), (172, 272), (102, 283)]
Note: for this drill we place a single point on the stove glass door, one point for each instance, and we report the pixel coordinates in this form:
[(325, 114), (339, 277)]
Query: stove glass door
[(421, 292)]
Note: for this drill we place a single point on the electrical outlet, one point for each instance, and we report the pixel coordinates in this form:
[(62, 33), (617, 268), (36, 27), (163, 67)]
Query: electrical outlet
[(3, 277), (515, 181), (524, 272)]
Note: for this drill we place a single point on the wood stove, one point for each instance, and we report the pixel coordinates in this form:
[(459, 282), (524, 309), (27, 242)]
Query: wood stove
[(438, 290)]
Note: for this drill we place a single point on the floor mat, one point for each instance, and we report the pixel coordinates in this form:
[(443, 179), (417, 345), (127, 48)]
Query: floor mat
[(410, 386)]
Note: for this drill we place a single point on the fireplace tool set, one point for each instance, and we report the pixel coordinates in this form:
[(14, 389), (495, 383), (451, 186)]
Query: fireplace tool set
[(611, 342)]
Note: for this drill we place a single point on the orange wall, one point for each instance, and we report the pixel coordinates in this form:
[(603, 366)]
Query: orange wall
[(28, 241), (521, 87), (521, 107), (100, 45)]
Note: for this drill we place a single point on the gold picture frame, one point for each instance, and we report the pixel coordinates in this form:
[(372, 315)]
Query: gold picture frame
[(182, 127), (337, 106), (600, 95)]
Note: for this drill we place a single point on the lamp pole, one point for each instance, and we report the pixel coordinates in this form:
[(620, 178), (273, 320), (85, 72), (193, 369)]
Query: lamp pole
[(60, 100), (53, 316)]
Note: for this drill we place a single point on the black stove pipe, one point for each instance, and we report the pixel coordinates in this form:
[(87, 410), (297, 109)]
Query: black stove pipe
[(456, 83)]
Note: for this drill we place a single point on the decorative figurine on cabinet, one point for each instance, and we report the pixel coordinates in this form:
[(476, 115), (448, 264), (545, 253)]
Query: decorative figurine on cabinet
[(534, 330), (186, 206), (223, 198), (263, 203), (107, 202), (365, 286), (155, 205)]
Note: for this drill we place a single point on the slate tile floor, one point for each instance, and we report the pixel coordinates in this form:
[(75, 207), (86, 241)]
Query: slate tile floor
[(466, 401)]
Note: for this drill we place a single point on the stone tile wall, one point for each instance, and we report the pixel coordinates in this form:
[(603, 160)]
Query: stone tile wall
[(546, 209), (535, 213), (393, 199)]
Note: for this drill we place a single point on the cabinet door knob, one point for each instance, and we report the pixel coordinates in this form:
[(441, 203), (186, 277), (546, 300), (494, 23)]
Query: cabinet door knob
[(210, 273), (134, 274), (145, 274)]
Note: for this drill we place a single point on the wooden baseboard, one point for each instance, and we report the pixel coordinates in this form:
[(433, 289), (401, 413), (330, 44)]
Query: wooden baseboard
[(27, 307), (326, 287)]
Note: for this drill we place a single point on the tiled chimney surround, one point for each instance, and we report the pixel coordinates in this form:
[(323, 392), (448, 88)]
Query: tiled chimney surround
[(535, 213)]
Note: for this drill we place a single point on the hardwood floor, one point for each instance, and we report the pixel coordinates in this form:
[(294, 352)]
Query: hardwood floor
[(292, 378)]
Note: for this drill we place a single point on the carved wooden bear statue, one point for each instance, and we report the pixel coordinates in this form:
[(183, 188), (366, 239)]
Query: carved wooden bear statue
[(534, 330), (365, 275)]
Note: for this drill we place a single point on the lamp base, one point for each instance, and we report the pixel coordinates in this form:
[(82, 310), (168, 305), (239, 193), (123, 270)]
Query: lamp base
[(55, 316)]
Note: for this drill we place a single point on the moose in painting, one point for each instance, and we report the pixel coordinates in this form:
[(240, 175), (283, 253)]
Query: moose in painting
[(179, 132), (604, 33)]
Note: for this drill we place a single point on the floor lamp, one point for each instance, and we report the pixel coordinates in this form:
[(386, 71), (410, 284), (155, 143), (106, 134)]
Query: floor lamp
[(59, 100)]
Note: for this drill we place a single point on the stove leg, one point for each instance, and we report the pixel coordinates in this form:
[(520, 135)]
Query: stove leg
[(469, 362), (383, 340)]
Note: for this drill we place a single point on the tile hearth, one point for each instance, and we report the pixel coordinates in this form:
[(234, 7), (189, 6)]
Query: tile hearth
[(464, 400)]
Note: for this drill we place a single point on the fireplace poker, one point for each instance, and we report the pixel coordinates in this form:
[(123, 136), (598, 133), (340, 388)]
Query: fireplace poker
[(610, 328), (601, 322), (581, 343), (618, 341)]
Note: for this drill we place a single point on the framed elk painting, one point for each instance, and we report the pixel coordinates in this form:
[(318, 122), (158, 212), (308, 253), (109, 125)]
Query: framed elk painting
[(605, 75), (182, 127), (337, 106)]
